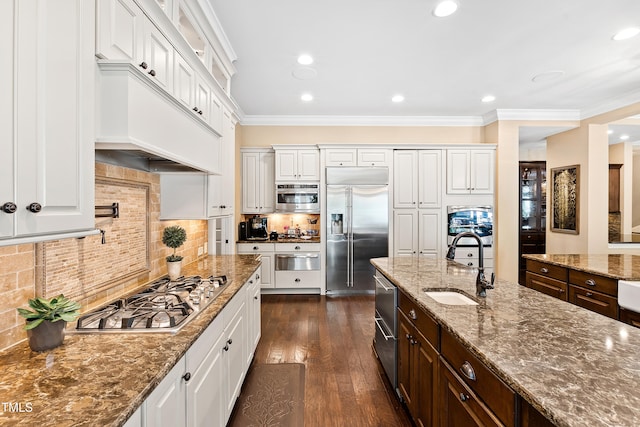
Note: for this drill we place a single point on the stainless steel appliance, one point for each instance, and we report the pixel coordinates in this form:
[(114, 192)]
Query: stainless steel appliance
[(476, 219), (386, 336), (297, 262), (257, 228), (304, 198), (357, 226), (165, 306)]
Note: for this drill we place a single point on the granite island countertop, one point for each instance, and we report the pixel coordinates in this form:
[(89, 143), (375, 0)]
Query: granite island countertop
[(576, 367), (615, 266), (101, 379)]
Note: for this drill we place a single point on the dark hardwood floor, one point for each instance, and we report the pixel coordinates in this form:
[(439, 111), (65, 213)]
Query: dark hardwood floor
[(333, 337)]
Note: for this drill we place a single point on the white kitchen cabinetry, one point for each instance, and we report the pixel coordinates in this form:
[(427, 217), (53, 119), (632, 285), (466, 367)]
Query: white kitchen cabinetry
[(47, 120), (297, 165), (307, 277), (202, 388), (157, 59), (258, 183), (134, 420), (119, 33), (165, 406), (416, 232), (470, 171), (266, 251), (470, 256), (417, 180), (357, 157), (221, 188)]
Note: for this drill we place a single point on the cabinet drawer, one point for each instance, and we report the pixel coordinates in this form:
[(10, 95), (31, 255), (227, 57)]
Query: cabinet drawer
[(531, 238), (372, 157), (547, 270), (546, 285), (602, 284), (473, 252), (630, 317), (297, 279), (298, 247), (594, 301), (424, 323), (496, 394), (475, 262), (248, 248)]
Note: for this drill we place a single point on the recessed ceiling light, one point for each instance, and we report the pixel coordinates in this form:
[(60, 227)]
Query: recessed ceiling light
[(397, 98), (627, 33), (305, 59), (547, 75), (624, 137), (445, 8), (488, 98), (306, 97), (610, 131)]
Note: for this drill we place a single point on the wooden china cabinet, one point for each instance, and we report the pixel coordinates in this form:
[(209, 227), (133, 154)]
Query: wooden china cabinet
[(533, 211)]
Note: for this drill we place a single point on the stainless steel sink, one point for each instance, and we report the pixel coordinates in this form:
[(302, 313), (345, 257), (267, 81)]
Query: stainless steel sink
[(450, 297)]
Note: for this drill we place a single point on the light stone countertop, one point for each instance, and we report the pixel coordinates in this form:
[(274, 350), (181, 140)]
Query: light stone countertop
[(101, 379), (616, 266), (576, 367)]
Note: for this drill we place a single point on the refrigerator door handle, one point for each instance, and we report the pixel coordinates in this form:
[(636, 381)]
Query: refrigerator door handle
[(347, 212), (351, 256)]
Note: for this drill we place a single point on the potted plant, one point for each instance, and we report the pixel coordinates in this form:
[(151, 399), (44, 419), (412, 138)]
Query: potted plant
[(174, 236), (46, 322)]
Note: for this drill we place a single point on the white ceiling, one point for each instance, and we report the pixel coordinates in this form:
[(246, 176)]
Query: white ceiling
[(368, 50)]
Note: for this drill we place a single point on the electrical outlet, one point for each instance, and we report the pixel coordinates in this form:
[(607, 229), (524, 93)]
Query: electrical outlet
[(200, 250)]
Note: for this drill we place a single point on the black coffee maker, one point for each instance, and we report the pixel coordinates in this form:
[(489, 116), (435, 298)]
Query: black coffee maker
[(257, 228)]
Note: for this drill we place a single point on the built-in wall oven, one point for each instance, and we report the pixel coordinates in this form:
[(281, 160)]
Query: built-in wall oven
[(478, 219), (303, 198), (386, 336)]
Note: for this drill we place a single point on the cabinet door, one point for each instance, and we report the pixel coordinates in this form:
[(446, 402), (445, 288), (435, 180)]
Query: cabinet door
[(228, 161), (165, 406), (55, 116), (216, 109), (7, 135), (405, 184), (340, 157), (458, 174), (459, 406), (373, 157), (482, 171), (266, 277), (309, 165), (202, 98), (206, 390), (286, 165), (405, 359), (266, 185), (429, 178), (253, 308), (429, 236), (250, 182), (159, 57), (184, 83), (235, 355), (119, 32), (405, 232), (182, 196), (426, 382)]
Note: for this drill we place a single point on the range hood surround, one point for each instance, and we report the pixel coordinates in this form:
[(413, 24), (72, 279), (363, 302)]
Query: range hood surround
[(142, 126)]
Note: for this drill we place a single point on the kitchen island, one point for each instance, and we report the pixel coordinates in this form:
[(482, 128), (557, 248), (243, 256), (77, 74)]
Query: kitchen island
[(576, 367), (102, 379)]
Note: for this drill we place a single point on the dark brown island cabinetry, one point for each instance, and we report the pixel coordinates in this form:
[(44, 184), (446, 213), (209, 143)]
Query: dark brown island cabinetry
[(591, 291), (418, 336), (443, 384)]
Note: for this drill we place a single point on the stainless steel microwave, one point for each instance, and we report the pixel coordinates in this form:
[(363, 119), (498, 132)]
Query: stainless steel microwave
[(303, 198)]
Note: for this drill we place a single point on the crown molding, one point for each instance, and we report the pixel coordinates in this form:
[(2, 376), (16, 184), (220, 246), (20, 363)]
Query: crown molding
[(253, 120), (532, 114)]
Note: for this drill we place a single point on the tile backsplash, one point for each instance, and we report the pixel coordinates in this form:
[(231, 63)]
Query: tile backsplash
[(87, 270)]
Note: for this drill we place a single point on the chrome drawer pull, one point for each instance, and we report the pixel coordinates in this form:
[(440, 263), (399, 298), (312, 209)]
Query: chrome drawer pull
[(412, 314), (544, 270), (590, 282), (467, 371), (386, 336), (589, 294), (464, 397)]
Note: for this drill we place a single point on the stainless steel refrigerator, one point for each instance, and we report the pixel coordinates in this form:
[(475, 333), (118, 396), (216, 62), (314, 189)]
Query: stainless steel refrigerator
[(357, 215)]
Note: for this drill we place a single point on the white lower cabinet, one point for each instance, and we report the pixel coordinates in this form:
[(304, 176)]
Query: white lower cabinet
[(417, 232), (267, 280), (134, 420), (202, 388)]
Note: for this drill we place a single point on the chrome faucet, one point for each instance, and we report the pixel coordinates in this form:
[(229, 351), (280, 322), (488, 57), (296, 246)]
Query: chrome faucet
[(482, 284)]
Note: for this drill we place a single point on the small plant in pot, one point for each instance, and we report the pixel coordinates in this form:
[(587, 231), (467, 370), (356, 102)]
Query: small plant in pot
[(174, 236), (46, 322)]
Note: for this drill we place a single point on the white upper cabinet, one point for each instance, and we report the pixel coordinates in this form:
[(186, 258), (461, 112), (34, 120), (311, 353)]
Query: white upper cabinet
[(222, 187), (297, 165), (357, 157), (470, 171), (119, 32), (258, 183), (158, 57), (185, 83), (417, 179), (47, 117)]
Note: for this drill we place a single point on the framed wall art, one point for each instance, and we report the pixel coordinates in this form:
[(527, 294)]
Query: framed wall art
[(565, 199)]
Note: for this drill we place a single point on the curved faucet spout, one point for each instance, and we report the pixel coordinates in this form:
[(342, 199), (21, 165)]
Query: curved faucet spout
[(482, 284)]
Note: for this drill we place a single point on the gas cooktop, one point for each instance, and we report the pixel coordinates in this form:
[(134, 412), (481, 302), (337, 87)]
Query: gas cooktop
[(165, 306)]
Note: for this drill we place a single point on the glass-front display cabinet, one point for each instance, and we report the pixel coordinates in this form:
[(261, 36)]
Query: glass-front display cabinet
[(533, 211)]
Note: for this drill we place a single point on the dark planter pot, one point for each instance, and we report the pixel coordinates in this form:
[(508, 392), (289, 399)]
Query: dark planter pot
[(46, 335)]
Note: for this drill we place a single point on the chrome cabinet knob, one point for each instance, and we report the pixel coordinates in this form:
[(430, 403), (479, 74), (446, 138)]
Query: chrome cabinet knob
[(468, 371), (590, 282), (464, 397), (412, 314)]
